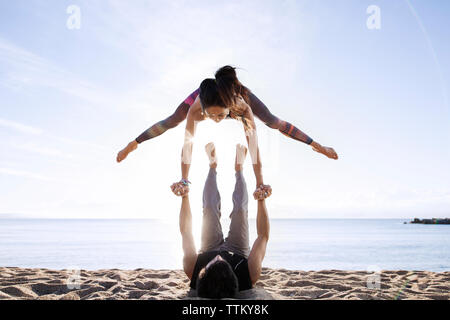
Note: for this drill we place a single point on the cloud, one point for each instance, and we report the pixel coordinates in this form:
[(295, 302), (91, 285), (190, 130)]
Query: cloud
[(32, 130), (182, 43), (79, 142), (20, 127), (386, 201), (46, 151), (25, 174), (24, 69)]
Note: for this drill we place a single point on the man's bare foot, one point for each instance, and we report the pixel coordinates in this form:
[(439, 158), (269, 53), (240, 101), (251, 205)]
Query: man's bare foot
[(124, 153), (210, 149), (241, 153)]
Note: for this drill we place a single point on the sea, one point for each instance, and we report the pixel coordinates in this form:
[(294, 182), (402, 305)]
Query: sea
[(294, 244)]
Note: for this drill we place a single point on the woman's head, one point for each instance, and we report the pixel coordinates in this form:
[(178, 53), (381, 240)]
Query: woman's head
[(212, 104), (218, 96)]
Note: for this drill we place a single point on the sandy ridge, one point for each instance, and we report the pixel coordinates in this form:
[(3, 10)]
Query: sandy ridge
[(146, 284)]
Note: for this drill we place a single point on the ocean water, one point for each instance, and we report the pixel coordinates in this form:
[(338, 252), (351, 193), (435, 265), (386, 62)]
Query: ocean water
[(297, 244)]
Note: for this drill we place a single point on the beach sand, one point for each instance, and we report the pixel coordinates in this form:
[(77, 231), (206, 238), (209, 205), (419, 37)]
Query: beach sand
[(145, 284)]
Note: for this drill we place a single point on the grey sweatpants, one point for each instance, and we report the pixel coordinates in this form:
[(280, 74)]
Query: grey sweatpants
[(212, 236)]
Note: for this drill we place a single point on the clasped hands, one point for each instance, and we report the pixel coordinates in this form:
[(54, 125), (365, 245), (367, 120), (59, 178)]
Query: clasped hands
[(262, 192), (180, 188)]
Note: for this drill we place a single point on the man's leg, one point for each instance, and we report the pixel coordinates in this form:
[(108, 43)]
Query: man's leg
[(212, 236), (238, 238)]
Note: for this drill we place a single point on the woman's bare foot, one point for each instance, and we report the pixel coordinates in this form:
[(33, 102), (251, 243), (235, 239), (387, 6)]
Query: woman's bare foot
[(125, 151), (327, 151), (241, 153), (330, 153), (210, 149)]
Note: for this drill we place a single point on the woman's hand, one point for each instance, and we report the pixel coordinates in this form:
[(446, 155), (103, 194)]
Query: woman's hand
[(262, 192), (180, 189), (125, 151), (327, 151)]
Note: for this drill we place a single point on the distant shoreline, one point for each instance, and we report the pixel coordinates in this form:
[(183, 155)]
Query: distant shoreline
[(432, 221)]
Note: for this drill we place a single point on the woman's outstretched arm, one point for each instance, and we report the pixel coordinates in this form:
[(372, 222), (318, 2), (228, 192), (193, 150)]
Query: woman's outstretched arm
[(263, 113), (252, 140), (193, 117)]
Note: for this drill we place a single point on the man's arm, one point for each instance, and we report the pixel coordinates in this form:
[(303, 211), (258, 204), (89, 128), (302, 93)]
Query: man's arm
[(190, 255), (258, 251)]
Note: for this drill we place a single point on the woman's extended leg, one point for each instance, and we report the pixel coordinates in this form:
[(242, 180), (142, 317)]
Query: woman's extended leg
[(171, 122), (162, 126), (260, 110), (159, 128)]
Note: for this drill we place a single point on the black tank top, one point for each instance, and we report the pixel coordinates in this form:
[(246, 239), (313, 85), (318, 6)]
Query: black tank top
[(238, 263)]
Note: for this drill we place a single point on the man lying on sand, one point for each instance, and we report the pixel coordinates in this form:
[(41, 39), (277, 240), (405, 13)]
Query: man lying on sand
[(222, 268)]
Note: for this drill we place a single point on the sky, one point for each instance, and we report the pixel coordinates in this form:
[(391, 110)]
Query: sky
[(76, 89)]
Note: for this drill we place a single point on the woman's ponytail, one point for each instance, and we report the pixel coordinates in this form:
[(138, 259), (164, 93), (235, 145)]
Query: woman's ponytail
[(229, 87)]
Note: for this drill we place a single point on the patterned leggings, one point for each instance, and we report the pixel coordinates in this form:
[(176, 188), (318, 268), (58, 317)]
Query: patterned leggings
[(259, 109)]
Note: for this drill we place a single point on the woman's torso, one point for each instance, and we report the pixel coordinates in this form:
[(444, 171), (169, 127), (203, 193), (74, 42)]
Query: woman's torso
[(193, 101)]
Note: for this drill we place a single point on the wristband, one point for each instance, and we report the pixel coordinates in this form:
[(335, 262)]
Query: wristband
[(185, 182)]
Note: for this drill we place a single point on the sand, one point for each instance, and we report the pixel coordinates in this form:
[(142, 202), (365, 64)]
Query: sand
[(145, 284)]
